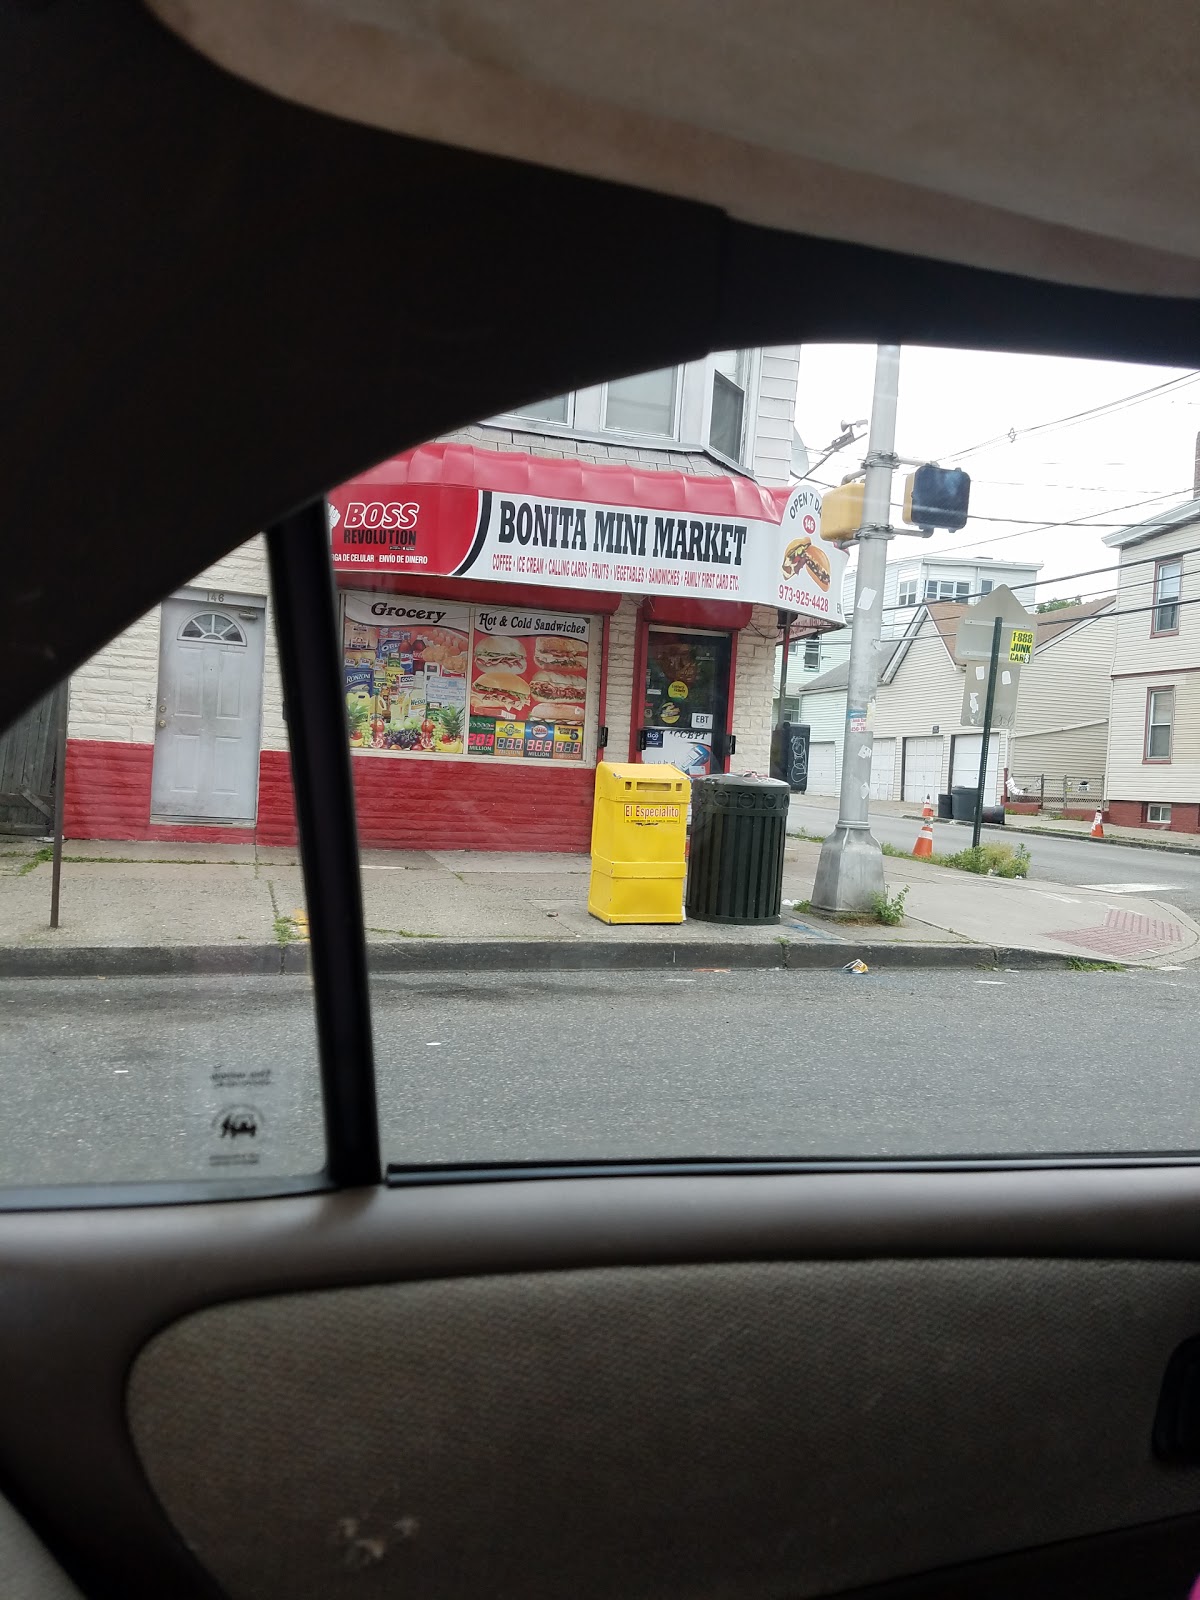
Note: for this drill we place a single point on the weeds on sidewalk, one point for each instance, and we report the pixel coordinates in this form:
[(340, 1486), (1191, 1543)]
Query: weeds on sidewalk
[(36, 859), (986, 860), (1082, 964), (889, 909), (286, 931)]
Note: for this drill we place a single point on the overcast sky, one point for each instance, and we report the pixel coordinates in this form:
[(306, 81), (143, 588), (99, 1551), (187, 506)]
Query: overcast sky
[(952, 400)]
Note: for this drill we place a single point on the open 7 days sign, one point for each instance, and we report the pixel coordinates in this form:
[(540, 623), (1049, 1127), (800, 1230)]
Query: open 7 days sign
[(774, 556)]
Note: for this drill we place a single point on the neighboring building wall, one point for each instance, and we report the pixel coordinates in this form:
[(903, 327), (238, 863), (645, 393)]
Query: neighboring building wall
[(926, 695), (1062, 712), (1142, 661), (776, 413)]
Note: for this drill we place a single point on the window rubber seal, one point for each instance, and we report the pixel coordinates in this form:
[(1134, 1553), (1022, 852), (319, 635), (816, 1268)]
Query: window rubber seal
[(311, 666)]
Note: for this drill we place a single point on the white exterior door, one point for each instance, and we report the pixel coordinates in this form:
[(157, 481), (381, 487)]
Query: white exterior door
[(965, 766), (883, 769), (822, 767), (209, 712), (922, 768)]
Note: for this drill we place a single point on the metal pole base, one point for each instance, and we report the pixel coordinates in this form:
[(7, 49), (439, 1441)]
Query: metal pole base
[(850, 871)]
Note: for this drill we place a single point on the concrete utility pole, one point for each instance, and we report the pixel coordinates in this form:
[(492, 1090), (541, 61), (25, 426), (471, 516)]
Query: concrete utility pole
[(850, 870)]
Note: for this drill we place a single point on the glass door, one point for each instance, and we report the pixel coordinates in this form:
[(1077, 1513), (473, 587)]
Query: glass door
[(685, 707)]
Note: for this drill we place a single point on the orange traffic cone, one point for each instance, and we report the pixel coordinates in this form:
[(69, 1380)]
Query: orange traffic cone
[(924, 844), (1097, 826), (927, 809)]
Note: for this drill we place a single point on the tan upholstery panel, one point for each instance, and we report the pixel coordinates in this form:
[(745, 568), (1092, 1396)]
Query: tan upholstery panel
[(1055, 138), (757, 1429)]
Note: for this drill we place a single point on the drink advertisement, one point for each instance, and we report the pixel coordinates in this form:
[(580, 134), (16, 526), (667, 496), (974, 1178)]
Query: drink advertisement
[(529, 673)]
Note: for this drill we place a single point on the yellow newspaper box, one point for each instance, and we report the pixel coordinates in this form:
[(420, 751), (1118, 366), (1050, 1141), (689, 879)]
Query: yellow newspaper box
[(639, 839)]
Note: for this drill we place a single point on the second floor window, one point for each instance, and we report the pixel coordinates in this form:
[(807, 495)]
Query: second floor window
[(946, 589), (643, 404), (908, 592), (727, 430), (1168, 581), (812, 654)]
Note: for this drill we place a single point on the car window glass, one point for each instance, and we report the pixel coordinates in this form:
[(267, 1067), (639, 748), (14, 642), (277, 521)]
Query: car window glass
[(163, 1029)]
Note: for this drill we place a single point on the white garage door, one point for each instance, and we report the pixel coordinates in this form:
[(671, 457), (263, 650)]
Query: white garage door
[(883, 769), (922, 768), (822, 767), (965, 768)]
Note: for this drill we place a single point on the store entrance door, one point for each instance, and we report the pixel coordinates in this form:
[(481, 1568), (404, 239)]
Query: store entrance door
[(686, 703)]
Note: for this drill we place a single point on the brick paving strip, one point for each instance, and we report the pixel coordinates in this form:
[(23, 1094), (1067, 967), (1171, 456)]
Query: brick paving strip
[(1124, 933)]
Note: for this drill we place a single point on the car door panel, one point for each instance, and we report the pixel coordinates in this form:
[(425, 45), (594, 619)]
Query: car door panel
[(526, 1374)]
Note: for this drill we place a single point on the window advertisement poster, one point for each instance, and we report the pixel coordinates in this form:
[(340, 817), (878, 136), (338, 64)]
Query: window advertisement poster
[(405, 664), (529, 684)]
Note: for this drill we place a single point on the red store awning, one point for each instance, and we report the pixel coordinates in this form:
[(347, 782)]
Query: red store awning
[(455, 511)]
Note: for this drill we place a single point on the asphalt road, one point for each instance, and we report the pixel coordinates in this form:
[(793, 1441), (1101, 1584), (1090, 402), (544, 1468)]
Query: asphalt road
[(1170, 876), (107, 1080)]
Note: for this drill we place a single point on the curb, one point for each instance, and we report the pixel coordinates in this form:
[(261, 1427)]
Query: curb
[(1061, 833), (448, 955)]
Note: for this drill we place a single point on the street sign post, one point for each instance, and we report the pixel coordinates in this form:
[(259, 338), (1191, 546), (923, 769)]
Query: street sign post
[(1004, 707), (995, 639)]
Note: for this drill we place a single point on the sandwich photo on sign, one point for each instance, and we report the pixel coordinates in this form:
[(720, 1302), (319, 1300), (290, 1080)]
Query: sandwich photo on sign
[(530, 667)]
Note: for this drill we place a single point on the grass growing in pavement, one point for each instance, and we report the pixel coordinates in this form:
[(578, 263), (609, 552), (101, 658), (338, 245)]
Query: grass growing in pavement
[(286, 931), (1082, 964), (36, 859), (987, 860), (889, 909)]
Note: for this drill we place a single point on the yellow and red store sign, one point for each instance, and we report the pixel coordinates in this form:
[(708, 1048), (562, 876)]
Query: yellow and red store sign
[(449, 510)]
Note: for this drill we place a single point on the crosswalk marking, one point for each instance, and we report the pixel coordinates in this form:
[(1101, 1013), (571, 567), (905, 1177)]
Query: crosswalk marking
[(1131, 888)]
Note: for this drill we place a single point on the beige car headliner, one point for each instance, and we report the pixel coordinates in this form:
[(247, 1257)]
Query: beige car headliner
[(1054, 138)]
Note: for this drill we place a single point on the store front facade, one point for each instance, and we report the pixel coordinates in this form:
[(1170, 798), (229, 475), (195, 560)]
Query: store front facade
[(506, 622)]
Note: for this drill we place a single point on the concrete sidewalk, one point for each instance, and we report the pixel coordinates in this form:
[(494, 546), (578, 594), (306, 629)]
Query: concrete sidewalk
[(241, 907)]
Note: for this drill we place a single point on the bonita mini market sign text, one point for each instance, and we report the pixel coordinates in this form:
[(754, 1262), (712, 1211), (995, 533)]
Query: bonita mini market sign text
[(775, 557)]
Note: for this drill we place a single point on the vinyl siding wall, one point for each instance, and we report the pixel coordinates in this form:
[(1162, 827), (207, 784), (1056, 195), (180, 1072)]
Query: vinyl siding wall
[(1062, 712), (1142, 661)]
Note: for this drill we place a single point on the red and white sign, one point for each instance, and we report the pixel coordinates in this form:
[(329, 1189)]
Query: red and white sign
[(519, 519)]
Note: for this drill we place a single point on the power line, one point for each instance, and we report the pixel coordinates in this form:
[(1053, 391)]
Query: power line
[(1073, 419), (1069, 522)]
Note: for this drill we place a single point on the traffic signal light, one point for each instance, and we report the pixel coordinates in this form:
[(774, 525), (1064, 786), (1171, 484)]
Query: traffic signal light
[(937, 497)]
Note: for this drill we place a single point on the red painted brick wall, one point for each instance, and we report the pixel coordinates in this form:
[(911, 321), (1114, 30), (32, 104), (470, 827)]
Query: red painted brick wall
[(472, 805), (1132, 814), (404, 805), (108, 797)]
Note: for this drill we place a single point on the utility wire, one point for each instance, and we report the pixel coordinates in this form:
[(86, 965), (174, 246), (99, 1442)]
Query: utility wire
[(1074, 418)]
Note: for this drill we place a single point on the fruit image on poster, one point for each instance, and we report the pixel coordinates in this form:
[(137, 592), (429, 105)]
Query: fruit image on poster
[(408, 659), (530, 668)]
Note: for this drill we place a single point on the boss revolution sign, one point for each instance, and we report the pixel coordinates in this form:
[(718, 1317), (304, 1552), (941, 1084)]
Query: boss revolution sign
[(765, 547)]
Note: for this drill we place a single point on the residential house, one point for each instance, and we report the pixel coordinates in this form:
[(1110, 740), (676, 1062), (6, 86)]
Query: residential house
[(1153, 767), (909, 582), (921, 746)]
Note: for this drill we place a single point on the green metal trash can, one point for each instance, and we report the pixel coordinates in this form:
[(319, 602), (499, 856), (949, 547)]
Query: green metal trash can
[(735, 865)]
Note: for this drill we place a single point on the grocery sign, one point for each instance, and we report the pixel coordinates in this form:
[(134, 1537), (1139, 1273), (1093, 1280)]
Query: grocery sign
[(699, 537)]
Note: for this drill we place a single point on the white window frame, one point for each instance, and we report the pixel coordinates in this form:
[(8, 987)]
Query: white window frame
[(1171, 568), (906, 591), (629, 433), (1167, 693), (812, 647), (1163, 810), (535, 424)]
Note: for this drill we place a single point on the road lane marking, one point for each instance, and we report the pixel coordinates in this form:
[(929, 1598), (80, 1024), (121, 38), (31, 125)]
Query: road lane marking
[(1132, 888)]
